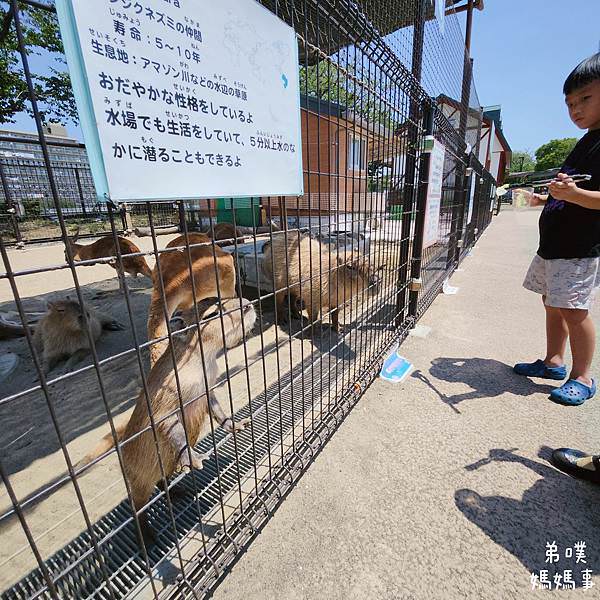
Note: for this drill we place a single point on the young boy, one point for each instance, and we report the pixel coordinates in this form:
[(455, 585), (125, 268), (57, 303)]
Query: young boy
[(566, 270)]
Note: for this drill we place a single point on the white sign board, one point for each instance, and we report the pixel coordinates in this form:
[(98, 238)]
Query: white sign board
[(471, 198), (434, 194), (440, 13), (185, 98)]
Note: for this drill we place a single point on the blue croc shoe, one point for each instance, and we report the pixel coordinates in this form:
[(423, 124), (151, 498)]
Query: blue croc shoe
[(539, 369), (573, 393)]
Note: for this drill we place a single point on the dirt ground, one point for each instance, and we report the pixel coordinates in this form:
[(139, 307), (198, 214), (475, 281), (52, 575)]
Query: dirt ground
[(30, 449)]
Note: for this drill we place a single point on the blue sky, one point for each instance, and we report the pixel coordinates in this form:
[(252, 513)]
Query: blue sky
[(523, 51)]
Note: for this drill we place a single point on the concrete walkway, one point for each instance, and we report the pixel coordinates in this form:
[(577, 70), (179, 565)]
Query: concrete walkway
[(440, 487)]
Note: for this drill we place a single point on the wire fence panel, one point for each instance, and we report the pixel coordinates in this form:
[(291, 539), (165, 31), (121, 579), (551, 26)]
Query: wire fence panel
[(171, 380), (26, 191)]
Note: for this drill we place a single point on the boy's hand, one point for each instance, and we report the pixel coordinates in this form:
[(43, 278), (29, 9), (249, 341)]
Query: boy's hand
[(537, 200), (563, 188)]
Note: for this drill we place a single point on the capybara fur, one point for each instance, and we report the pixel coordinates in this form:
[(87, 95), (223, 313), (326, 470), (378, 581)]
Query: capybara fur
[(104, 248), (225, 231), (314, 277), (178, 433), (61, 333), (179, 293)]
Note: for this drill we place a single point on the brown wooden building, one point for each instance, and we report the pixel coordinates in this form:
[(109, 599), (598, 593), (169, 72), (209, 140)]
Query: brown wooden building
[(337, 148)]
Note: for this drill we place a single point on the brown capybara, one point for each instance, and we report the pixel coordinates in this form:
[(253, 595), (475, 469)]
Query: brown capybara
[(141, 464)]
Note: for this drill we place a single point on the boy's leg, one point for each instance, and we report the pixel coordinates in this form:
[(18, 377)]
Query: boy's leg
[(556, 336), (582, 335)]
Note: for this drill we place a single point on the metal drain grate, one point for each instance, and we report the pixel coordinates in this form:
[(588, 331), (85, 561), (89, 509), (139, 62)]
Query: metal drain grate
[(76, 569)]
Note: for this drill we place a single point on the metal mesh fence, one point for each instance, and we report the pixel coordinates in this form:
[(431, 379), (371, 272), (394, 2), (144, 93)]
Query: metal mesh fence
[(217, 378), (33, 216)]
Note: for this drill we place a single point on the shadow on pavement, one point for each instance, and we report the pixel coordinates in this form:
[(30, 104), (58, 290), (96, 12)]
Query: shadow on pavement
[(555, 509), (486, 377)]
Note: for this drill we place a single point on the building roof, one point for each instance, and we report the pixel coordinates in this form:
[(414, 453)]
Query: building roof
[(333, 109), (527, 176), (443, 99), (321, 106), (494, 115), (34, 136)]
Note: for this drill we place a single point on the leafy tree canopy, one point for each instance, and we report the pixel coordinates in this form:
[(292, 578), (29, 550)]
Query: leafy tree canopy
[(554, 153), (52, 86), (355, 90), (522, 160)]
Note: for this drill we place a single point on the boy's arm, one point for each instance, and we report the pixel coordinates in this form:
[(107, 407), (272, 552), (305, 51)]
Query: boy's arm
[(586, 198), (566, 189)]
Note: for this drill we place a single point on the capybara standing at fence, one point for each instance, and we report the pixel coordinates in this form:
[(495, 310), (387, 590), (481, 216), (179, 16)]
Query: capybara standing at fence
[(313, 277), (140, 459), (175, 274), (105, 247), (61, 333)]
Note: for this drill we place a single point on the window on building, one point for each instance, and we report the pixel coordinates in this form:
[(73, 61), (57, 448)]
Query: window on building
[(357, 154)]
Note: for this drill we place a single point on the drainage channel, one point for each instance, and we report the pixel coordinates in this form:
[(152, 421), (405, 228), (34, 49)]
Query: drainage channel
[(77, 571)]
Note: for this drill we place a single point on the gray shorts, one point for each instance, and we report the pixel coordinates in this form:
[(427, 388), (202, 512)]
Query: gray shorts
[(566, 282)]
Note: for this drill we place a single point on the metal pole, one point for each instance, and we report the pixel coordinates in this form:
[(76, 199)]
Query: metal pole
[(417, 257), (469, 28), (181, 215), (458, 212), (10, 206), (81, 198), (94, 541), (411, 161)]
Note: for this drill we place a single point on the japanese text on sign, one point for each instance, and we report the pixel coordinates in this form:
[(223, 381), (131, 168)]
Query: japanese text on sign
[(190, 99), (434, 194)]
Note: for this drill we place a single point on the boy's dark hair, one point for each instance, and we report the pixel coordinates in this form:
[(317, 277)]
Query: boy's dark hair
[(585, 72)]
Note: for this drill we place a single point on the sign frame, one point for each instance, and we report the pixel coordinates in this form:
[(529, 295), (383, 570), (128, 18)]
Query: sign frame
[(88, 122), (472, 184), (433, 204)]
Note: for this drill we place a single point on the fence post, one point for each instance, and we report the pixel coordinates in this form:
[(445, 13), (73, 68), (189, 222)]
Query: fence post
[(458, 212), (423, 187), (181, 212), (10, 206), (126, 218), (411, 160), (80, 189), (476, 206)]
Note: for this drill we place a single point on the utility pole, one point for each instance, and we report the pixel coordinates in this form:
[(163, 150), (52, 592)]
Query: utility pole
[(467, 73), (458, 212)]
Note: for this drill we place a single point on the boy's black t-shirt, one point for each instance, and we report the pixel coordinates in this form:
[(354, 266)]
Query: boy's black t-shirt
[(568, 230)]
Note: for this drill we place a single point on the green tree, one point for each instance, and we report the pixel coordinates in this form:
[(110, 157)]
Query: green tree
[(554, 153), (356, 91), (325, 81), (52, 87), (522, 160)]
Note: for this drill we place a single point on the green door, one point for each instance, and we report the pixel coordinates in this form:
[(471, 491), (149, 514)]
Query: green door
[(247, 211)]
